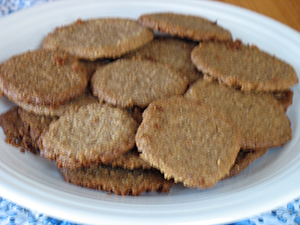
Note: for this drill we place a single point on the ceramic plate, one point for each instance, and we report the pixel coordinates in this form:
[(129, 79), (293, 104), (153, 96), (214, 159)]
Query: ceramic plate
[(35, 183)]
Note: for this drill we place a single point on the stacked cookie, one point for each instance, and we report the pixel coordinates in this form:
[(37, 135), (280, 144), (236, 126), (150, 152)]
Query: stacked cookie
[(124, 110)]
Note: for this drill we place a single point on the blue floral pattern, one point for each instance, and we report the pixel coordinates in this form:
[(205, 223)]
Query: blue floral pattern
[(9, 6), (13, 214)]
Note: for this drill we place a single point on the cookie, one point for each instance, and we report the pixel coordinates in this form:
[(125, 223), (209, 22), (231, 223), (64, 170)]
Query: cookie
[(260, 118), (172, 51), (33, 127), (92, 134), (244, 159), (23, 129), (43, 77), (185, 26), (285, 98), (99, 38), (188, 142), (127, 82), (244, 66), (117, 180), (48, 110), (130, 160), (11, 124)]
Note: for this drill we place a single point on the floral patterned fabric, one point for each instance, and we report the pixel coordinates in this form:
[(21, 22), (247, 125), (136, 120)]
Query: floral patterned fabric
[(13, 214)]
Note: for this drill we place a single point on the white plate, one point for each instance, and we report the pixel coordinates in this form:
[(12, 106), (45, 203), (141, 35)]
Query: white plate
[(269, 182)]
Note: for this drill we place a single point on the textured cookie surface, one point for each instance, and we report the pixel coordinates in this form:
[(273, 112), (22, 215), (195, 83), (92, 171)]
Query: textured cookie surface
[(43, 77), (259, 117), (243, 66), (128, 83), (48, 110), (172, 51), (91, 134), (117, 180), (185, 26), (99, 38), (190, 143)]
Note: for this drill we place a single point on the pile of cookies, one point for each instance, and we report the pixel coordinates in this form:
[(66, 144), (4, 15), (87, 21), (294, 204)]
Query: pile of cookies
[(130, 106)]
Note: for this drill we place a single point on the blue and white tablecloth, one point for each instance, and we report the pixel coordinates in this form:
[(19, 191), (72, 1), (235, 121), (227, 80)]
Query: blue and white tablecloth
[(13, 214)]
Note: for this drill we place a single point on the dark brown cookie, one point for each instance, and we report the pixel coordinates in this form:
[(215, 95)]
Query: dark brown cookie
[(99, 38), (43, 77), (33, 127), (92, 134), (243, 66), (188, 142), (185, 26), (172, 51), (117, 180), (23, 129), (127, 82), (259, 117), (11, 124)]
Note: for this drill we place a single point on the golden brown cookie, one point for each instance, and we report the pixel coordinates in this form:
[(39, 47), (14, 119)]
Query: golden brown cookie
[(94, 133), (243, 66), (99, 38), (188, 142), (127, 82), (172, 51), (259, 117), (43, 77), (244, 159), (185, 26), (48, 110), (117, 180)]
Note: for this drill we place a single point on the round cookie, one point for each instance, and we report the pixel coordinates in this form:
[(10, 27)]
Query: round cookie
[(188, 142), (99, 38), (172, 51), (260, 118), (127, 82), (43, 77), (48, 110), (91, 134), (118, 180), (243, 66), (185, 26)]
